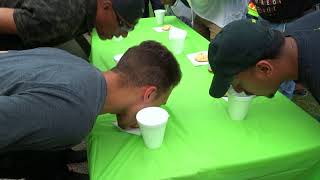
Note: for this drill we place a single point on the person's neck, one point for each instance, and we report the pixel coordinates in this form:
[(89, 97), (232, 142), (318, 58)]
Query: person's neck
[(111, 79), (290, 56)]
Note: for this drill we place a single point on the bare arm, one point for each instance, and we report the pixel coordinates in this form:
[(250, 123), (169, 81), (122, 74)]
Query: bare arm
[(7, 24)]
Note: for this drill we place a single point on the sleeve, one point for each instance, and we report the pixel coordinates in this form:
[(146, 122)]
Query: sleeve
[(46, 23), (42, 119)]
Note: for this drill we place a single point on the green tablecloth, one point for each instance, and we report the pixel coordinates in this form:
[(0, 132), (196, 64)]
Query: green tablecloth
[(277, 140)]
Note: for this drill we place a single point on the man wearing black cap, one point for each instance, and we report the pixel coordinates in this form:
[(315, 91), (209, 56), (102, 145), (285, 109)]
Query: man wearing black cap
[(27, 24), (256, 60)]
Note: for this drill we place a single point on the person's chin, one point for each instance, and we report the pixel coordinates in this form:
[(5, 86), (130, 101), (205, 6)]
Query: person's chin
[(271, 95), (105, 37), (102, 37)]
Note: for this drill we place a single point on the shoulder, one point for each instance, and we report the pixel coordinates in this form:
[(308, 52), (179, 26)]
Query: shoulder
[(47, 51), (48, 54), (308, 21), (52, 10)]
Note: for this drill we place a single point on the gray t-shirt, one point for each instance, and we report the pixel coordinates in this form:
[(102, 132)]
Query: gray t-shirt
[(49, 99)]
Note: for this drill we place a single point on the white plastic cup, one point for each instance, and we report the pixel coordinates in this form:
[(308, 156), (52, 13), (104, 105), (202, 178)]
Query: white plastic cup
[(238, 105), (152, 122), (176, 39), (160, 13)]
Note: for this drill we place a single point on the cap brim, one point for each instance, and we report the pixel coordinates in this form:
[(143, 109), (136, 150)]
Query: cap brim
[(219, 86), (130, 10)]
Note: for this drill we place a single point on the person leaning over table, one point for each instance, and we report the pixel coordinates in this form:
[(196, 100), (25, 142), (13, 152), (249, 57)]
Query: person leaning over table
[(256, 60), (50, 99), (278, 14), (28, 24)]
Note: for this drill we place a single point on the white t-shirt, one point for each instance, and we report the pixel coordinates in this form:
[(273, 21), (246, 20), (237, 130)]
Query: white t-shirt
[(220, 12)]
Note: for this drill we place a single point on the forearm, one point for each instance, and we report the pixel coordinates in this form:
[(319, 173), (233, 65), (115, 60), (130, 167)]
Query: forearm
[(7, 24)]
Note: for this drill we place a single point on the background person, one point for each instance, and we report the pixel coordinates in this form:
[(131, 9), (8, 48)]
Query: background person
[(156, 4), (211, 16)]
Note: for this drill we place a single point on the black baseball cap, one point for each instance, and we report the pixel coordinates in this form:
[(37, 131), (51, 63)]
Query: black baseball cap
[(239, 45), (130, 10)]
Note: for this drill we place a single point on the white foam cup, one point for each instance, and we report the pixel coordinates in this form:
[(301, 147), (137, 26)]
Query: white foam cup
[(152, 122), (160, 13), (176, 39), (238, 104)]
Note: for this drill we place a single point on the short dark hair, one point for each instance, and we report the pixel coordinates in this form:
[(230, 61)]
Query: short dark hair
[(276, 48), (149, 63)]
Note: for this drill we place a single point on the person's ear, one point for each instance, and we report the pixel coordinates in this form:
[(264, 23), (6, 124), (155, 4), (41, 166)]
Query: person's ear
[(150, 93), (107, 4), (264, 69)]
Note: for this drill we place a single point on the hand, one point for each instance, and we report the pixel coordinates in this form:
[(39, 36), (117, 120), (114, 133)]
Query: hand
[(170, 2)]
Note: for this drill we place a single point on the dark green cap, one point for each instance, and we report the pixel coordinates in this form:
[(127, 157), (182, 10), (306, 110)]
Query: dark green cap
[(239, 45)]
